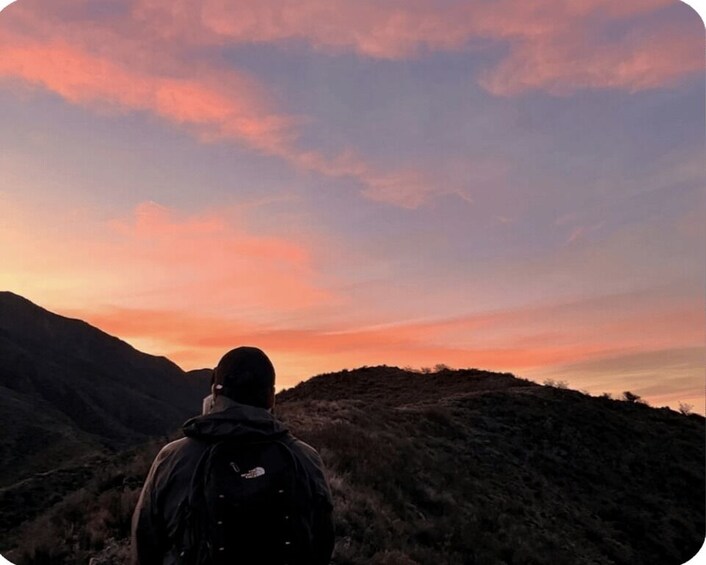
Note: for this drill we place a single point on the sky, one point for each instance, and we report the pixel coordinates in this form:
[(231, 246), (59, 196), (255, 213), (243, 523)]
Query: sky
[(507, 185)]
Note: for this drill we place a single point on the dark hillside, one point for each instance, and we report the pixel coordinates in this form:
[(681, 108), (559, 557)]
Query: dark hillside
[(67, 389), (393, 386), (515, 473), (456, 467)]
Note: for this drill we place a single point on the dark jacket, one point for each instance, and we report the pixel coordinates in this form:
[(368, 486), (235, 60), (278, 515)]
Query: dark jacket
[(155, 521)]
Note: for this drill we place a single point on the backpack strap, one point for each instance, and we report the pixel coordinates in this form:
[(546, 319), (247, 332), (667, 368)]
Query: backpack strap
[(191, 544)]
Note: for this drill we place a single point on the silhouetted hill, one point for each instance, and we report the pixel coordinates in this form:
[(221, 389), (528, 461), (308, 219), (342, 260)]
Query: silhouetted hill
[(68, 389), (385, 385), (455, 467)]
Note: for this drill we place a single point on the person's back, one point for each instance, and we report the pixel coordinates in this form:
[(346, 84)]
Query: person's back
[(239, 487)]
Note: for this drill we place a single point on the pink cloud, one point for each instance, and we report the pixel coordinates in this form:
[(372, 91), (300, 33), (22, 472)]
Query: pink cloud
[(138, 61), (224, 106), (564, 61), (213, 103), (554, 45)]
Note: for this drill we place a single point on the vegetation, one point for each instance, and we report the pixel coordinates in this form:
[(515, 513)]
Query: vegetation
[(556, 384), (685, 408), (631, 397), (449, 467)]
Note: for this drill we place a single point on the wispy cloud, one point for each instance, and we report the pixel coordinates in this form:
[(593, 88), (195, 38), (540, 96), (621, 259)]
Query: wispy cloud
[(568, 58), (149, 57), (580, 232), (214, 103), (200, 340), (520, 339), (554, 45)]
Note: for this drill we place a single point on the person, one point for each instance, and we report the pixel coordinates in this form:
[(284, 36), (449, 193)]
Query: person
[(180, 519)]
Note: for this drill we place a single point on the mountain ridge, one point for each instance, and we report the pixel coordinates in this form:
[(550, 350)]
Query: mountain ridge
[(64, 379)]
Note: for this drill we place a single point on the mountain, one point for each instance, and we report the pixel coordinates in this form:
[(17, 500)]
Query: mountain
[(451, 467), (68, 390)]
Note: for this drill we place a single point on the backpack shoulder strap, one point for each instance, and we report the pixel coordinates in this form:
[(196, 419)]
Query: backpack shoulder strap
[(190, 542)]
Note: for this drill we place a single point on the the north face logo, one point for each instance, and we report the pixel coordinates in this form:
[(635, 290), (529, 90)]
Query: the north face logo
[(253, 473)]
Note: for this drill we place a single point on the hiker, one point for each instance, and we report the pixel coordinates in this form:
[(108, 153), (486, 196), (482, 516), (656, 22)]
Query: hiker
[(239, 488)]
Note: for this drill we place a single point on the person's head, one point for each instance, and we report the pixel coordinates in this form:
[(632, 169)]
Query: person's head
[(245, 375)]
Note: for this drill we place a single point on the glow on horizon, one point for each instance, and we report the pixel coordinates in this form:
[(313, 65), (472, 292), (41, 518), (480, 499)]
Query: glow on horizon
[(513, 187)]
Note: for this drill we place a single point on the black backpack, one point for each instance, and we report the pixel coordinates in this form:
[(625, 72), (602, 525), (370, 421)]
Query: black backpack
[(241, 506)]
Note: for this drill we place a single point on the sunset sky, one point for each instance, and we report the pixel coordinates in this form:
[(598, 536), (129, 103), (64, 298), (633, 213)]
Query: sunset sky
[(507, 185)]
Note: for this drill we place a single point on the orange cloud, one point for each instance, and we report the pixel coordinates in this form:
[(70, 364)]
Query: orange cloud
[(213, 260), (196, 341), (208, 262), (517, 340)]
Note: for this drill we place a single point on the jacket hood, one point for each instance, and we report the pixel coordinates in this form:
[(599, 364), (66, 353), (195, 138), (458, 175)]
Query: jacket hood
[(246, 423)]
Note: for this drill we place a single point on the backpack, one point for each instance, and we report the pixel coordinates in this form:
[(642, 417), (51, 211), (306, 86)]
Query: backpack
[(240, 508)]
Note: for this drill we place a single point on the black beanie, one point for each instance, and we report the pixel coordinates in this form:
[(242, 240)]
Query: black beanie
[(246, 375)]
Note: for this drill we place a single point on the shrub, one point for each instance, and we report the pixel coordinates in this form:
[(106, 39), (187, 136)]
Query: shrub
[(685, 408), (631, 397), (556, 384)]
